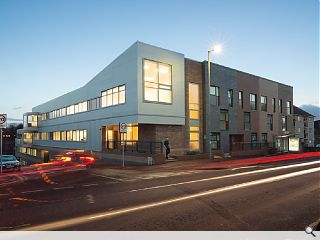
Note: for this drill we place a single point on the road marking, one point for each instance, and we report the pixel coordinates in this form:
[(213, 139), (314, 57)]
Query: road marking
[(90, 199), (59, 188), (117, 179), (227, 176), (106, 214), (4, 194), (89, 185), (32, 191), (233, 169)]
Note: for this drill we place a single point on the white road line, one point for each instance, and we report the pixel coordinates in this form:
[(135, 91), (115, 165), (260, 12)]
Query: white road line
[(32, 191), (59, 188), (106, 214), (233, 169), (113, 178), (89, 185), (228, 176), (90, 199), (4, 194)]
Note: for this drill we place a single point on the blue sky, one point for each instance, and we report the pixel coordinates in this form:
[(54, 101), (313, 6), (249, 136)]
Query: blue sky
[(51, 47)]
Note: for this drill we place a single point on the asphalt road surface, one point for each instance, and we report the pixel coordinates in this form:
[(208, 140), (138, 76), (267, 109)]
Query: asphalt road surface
[(278, 196)]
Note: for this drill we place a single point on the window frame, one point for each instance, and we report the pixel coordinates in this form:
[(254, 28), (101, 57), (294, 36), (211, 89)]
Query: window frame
[(170, 87)]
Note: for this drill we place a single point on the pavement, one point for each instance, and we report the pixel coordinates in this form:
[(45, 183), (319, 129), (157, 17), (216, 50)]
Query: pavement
[(206, 164)]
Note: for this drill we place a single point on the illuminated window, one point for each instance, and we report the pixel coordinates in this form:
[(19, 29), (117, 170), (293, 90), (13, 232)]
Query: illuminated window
[(194, 138), (75, 135), (64, 136), (69, 135), (193, 101), (70, 110), (56, 136), (113, 96), (157, 82)]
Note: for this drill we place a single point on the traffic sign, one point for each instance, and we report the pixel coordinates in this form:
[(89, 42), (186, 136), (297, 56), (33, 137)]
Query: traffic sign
[(3, 120), (123, 127)]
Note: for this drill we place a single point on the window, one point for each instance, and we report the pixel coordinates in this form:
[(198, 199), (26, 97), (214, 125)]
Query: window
[(157, 82), (270, 122), (69, 135), (224, 120), (284, 124), (280, 105), (246, 121), (122, 94), (215, 92), (75, 135), (56, 136), (70, 110), (113, 96), (274, 105), (240, 99), (193, 101), (263, 103), (253, 101), (215, 141), (230, 97), (264, 137), (288, 107), (254, 139), (63, 136), (194, 138), (94, 104)]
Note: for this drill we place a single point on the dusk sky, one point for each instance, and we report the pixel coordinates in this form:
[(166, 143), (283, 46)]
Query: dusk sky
[(48, 48)]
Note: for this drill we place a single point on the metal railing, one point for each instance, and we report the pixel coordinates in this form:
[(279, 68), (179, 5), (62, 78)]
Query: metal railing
[(134, 146), (247, 146)]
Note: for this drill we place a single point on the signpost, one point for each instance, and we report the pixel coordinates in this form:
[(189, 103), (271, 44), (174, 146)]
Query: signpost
[(3, 124), (122, 129)]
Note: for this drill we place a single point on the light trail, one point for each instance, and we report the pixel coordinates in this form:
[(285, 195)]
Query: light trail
[(228, 176), (106, 214)]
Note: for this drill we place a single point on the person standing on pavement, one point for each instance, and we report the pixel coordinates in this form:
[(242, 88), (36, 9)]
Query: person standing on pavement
[(167, 146)]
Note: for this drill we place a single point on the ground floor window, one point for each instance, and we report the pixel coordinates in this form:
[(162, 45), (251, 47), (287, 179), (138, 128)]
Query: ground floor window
[(194, 138), (215, 141)]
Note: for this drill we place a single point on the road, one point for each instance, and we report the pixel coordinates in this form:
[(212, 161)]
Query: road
[(275, 196)]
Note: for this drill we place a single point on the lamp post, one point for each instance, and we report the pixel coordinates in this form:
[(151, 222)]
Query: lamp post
[(216, 49)]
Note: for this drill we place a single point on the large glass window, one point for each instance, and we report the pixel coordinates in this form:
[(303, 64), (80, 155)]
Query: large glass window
[(215, 92), (193, 101), (247, 121), (263, 103), (253, 101), (264, 137), (224, 120), (157, 82)]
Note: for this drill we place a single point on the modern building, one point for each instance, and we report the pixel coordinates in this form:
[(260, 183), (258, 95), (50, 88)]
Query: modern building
[(159, 93), (303, 123)]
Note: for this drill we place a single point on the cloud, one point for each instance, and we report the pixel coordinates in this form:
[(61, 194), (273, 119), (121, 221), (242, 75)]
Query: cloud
[(17, 107)]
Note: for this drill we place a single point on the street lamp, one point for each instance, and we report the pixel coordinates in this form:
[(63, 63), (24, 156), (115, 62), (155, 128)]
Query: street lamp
[(215, 49)]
